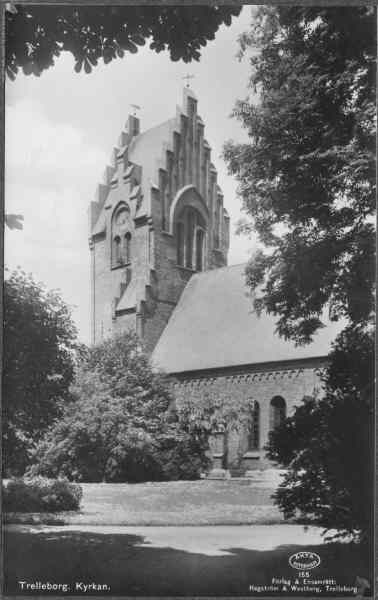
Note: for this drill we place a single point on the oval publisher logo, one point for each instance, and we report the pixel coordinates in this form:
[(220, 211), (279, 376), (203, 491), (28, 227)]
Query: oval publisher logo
[(304, 560)]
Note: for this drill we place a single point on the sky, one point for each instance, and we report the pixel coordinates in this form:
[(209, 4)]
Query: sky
[(60, 131)]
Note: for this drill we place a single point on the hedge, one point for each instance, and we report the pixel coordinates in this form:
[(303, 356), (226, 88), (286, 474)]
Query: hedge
[(39, 494)]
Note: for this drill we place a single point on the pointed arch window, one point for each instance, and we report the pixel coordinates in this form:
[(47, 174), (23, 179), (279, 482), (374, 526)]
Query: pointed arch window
[(254, 427), (190, 239), (164, 198), (190, 223), (277, 411), (218, 223), (180, 232)]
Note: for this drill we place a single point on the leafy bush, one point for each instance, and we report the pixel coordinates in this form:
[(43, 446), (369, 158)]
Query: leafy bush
[(184, 459), (40, 494), (121, 425)]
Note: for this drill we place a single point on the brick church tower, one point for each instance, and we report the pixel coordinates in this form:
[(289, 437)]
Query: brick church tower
[(158, 218)]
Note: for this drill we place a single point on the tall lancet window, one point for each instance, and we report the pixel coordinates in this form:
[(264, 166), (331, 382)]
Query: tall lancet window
[(180, 233), (164, 198), (200, 240), (190, 239), (190, 223), (220, 220)]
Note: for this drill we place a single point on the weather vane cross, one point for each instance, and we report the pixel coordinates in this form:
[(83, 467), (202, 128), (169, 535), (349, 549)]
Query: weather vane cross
[(135, 107), (187, 77)]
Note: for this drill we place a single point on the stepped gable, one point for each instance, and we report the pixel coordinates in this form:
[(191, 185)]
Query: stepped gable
[(163, 159), (214, 325)]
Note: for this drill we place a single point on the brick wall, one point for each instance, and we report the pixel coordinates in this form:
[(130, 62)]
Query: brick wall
[(101, 298), (291, 382)]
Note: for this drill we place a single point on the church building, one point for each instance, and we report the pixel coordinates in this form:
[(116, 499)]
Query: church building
[(159, 239)]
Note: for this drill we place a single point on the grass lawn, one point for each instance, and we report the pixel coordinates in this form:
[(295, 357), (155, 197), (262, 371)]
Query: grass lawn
[(203, 502)]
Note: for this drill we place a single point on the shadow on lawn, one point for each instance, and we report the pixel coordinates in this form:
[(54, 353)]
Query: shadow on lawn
[(129, 569)]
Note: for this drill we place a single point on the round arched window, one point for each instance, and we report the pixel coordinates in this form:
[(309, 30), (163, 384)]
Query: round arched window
[(121, 236), (277, 411)]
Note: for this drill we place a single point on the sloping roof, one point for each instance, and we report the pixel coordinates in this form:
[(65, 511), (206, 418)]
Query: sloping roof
[(214, 325)]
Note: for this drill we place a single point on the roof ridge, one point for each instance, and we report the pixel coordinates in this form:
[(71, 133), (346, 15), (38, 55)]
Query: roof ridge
[(214, 326)]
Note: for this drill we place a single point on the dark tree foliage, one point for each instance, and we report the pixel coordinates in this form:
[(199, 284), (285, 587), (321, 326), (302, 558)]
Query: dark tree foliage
[(307, 175), (36, 35), (122, 425), (351, 363), (307, 181), (38, 365), (327, 445)]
